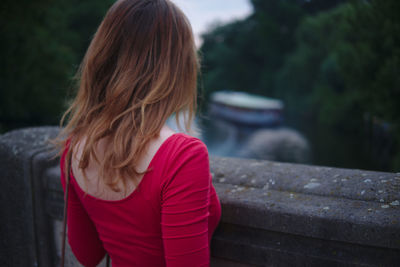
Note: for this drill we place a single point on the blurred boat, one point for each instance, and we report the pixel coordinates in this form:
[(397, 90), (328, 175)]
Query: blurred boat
[(246, 109)]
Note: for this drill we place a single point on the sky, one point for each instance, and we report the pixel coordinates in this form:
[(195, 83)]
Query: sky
[(203, 13)]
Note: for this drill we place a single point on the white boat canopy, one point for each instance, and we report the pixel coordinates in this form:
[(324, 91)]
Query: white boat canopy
[(245, 100)]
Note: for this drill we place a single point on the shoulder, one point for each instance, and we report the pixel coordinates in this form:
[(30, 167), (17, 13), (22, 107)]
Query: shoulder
[(184, 143), (177, 141), (185, 152), (187, 162)]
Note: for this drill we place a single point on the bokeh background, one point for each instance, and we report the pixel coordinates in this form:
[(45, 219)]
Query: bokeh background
[(335, 65)]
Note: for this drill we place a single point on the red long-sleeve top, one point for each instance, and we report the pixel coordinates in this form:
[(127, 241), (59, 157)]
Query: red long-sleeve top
[(168, 220)]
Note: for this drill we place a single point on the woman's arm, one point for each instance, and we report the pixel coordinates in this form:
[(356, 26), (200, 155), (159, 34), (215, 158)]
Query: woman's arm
[(185, 207), (82, 234)]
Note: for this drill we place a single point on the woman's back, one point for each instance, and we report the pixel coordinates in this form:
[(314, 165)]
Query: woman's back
[(96, 187), (167, 220), (140, 69)]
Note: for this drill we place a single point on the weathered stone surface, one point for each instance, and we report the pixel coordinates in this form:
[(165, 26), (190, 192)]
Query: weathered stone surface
[(18, 246), (333, 215), (306, 179)]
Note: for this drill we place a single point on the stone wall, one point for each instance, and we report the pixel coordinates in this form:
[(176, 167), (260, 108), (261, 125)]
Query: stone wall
[(273, 214)]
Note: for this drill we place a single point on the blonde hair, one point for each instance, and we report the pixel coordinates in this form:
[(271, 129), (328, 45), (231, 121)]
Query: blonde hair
[(140, 68)]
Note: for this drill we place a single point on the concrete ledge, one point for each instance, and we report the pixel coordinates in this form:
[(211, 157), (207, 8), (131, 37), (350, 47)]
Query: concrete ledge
[(283, 213), (273, 214), (333, 210), (20, 207)]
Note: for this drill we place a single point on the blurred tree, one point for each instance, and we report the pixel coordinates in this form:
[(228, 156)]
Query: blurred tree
[(346, 66), (370, 63), (331, 64), (41, 45), (35, 62), (310, 81), (247, 54), (83, 19), (312, 86)]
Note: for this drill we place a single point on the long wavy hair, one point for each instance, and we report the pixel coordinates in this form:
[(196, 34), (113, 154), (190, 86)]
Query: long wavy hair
[(140, 68)]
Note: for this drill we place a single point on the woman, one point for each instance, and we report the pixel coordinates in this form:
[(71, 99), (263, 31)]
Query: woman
[(138, 191)]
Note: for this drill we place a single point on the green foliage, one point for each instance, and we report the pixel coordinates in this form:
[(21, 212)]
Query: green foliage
[(346, 65), (42, 44), (34, 62), (311, 81), (371, 64), (245, 55), (331, 68)]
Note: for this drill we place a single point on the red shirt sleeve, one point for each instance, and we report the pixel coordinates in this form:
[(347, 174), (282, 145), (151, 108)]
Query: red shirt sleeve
[(185, 207), (82, 235)]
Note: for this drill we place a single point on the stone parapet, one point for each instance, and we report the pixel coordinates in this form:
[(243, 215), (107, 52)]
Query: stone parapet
[(273, 214), (281, 214)]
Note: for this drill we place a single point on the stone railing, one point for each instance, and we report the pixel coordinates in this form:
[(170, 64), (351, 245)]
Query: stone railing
[(273, 214)]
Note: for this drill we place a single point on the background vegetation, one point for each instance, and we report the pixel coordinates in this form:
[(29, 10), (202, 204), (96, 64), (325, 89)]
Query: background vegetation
[(334, 63), (42, 43)]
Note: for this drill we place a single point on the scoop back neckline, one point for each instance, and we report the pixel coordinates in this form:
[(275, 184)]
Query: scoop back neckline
[(134, 192)]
